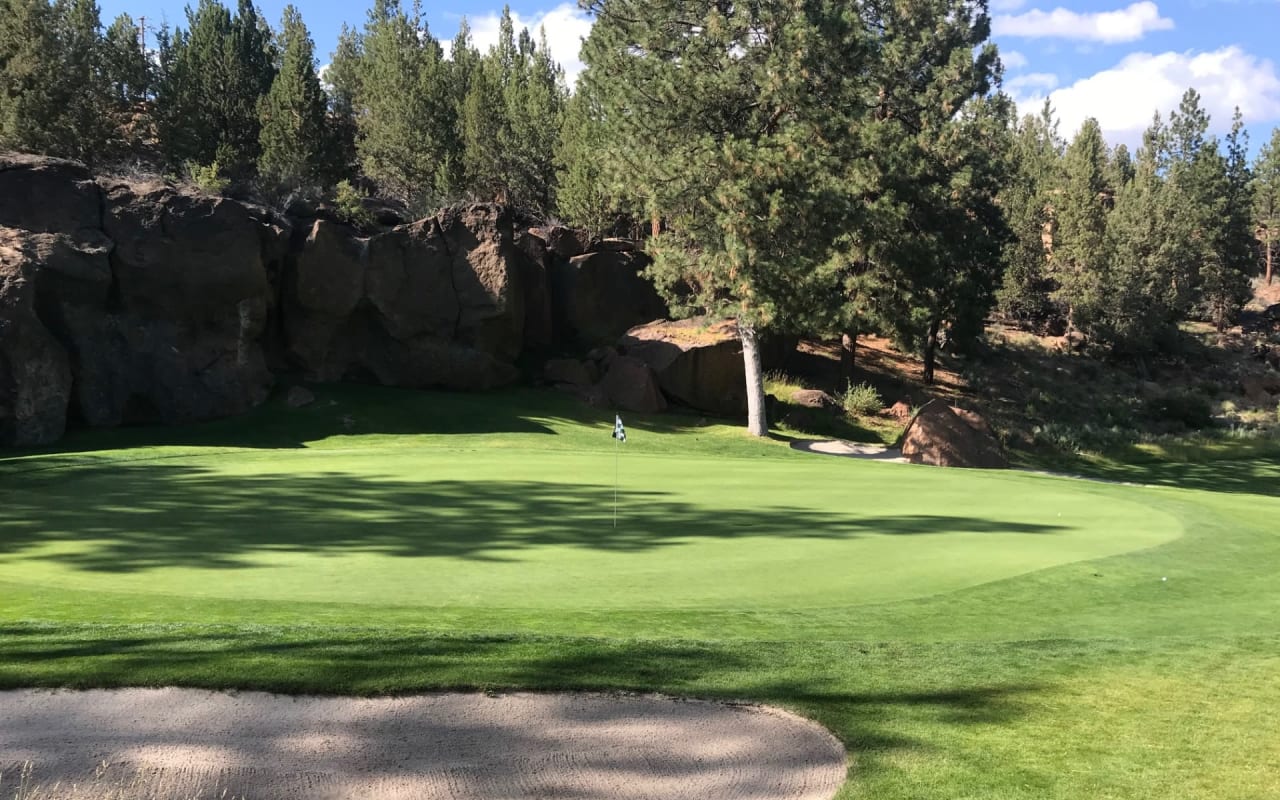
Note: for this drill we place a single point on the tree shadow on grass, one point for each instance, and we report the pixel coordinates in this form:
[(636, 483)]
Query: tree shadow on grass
[(875, 702), (129, 518)]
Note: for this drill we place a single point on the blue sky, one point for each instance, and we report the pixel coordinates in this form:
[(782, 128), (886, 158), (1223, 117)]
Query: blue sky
[(1117, 60)]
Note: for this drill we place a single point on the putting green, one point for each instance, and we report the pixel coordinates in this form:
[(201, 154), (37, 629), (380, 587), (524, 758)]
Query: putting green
[(521, 528)]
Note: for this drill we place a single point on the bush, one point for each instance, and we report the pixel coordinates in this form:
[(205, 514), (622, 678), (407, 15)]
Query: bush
[(207, 178), (862, 400), (349, 205), (1191, 409)]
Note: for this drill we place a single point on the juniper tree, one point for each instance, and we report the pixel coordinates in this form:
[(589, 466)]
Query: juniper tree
[(292, 114), (1225, 280), (731, 121), (1266, 200)]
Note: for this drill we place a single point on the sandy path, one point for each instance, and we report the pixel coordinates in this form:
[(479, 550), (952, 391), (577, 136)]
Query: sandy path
[(197, 743)]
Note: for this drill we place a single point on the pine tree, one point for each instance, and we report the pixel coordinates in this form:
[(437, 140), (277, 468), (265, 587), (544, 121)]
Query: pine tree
[(510, 119), (214, 74), (1028, 197), (1225, 279), (343, 90), (1080, 246), (293, 138), (730, 121), (584, 196), (407, 124), (1266, 200), (933, 159), (54, 98), (30, 91)]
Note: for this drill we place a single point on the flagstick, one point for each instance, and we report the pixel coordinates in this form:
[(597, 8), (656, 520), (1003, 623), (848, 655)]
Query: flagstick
[(615, 481)]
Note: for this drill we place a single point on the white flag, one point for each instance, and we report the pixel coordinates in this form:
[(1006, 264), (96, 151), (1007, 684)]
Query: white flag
[(619, 432)]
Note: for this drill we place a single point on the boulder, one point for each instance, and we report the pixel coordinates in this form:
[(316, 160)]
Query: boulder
[(815, 399), (324, 283), (299, 396), (595, 298), (35, 373), (615, 245), (568, 371), (1271, 381), (631, 386), (973, 419), (563, 242), (901, 411), (941, 437), (698, 362)]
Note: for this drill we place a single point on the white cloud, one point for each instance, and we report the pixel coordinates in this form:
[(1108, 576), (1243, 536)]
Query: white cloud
[(1013, 60), (1031, 82), (1124, 98), (566, 26), (1126, 25)]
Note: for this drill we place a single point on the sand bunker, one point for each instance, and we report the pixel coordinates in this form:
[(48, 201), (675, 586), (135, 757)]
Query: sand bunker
[(839, 447), (185, 743)]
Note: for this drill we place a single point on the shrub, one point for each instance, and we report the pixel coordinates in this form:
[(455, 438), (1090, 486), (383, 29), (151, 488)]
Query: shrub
[(1188, 408), (207, 178), (349, 205), (862, 400)]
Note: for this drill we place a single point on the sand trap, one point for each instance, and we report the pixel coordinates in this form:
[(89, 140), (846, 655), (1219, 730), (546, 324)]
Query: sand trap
[(192, 743), (839, 447)]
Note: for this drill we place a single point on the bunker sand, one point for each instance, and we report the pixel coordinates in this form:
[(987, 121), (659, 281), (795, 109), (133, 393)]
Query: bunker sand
[(192, 743)]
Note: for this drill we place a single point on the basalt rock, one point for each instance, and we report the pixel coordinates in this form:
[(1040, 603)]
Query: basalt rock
[(941, 437), (597, 297), (698, 362)]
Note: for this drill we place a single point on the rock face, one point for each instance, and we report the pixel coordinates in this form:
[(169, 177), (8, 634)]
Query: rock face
[(597, 297), (35, 376), (941, 437), (136, 302), (439, 302), (698, 363)]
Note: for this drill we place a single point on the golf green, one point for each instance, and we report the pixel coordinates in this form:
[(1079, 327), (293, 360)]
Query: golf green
[(467, 529)]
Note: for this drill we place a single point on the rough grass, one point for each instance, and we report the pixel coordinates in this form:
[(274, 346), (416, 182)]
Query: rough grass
[(1007, 655)]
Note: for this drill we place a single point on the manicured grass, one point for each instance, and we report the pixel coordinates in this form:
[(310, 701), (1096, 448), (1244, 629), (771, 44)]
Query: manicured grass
[(966, 634)]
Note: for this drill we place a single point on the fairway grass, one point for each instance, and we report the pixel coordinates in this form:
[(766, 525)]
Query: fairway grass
[(965, 634)]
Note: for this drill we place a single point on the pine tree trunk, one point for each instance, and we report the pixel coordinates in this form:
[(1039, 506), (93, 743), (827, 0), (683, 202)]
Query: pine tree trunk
[(757, 424), (848, 354), (1270, 256), (931, 350)]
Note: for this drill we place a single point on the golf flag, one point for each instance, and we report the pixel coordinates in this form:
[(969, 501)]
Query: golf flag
[(619, 432)]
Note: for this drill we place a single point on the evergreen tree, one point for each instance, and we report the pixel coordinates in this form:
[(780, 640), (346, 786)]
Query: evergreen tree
[(128, 72), (407, 125), (584, 195), (1028, 197), (53, 95), (510, 119), (128, 75), (214, 75), (343, 89), (293, 138), (1080, 248), (1225, 279), (934, 157), (1266, 200), (731, 122), (1138, 302), (30, 91)]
